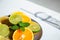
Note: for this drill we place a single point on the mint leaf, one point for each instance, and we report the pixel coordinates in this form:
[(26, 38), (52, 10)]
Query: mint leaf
[(22, 28), (24, 24), (15, 27)]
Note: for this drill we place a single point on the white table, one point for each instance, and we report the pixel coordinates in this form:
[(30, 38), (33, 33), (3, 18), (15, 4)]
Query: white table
[(49, 32)]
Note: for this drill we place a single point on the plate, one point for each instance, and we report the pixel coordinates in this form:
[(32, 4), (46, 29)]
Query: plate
[(4, 20)]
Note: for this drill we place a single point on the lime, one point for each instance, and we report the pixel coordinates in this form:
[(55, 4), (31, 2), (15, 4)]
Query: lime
[(34, 26), (15, 18), (4, 30), (3, 38)]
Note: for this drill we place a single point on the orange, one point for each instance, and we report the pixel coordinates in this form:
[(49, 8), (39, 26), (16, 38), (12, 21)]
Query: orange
[(23, 35), (28, 34), (25, 18), (17, 34)]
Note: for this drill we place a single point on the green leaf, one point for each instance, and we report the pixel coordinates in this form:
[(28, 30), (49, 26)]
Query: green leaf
[(24, 24), (15, 27), (22, 28)]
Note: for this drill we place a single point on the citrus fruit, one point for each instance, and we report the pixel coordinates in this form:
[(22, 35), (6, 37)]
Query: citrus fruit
[(28, 34), (25, 18), (23, 35), (15, 18), (3, 38), (34, 26), (4, 30), (17, 34), (3, 18)]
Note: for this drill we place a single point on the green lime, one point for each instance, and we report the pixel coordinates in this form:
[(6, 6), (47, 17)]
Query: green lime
[(3, 38), (15, 18), (4, 30), (34, 26)]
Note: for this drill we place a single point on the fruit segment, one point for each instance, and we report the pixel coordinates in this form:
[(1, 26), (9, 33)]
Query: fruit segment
[(23, 35), (34, 26), (15, 18), (28, 34), (4, 30)]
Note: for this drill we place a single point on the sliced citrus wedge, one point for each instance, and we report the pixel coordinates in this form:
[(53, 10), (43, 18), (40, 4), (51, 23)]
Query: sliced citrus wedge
[(4, 30), (23, 35), (17, 34), (25, 18), (15, 18), (34, 26), (28, 34)]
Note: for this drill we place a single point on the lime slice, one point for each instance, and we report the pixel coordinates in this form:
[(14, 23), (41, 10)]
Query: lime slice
[(4, 30), (35, 27), (3, 38), (15, 18)]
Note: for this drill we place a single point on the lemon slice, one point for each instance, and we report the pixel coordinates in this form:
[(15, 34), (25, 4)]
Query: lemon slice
[(15, 18), (35, 27), (4, 30)]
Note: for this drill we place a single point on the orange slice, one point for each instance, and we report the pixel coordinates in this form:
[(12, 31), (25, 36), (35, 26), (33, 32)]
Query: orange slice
[(17, 34), (25, 18), (26, 35)]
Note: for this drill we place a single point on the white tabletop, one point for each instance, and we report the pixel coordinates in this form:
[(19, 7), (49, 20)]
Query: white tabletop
[(51, 4), (49, 32)]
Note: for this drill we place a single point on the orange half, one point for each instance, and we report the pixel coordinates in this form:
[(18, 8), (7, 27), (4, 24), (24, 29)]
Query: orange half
[(17, 34), (26, 35)]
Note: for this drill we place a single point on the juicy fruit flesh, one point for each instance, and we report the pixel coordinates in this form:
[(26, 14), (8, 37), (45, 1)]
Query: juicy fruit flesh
[(4, 30), (35, 27), (15, 18), (26, 35), (19, 16), (25, 18), (17, 35)]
